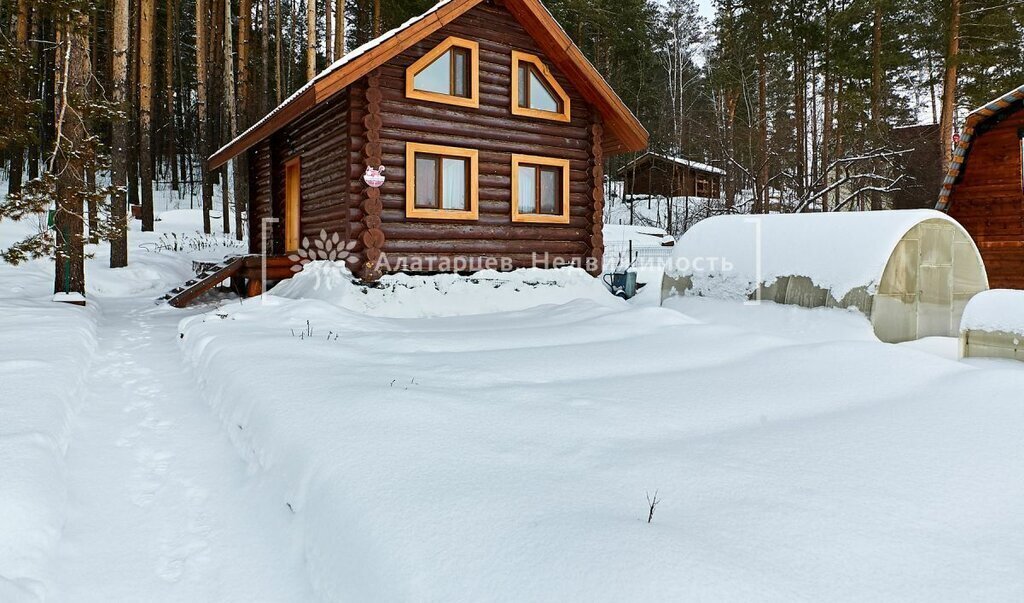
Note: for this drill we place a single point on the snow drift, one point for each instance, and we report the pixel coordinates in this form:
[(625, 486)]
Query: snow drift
[(414, 296)]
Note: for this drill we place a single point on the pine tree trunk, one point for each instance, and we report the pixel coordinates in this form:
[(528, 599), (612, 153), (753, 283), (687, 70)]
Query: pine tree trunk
[(310, 39), (278, 59), (876, 91), (949, 85), (339, 30), (264, 56), (241, 117), (17, 153), (376, 19), (203, 130), (146, 18), (171, 132), (761, 184), (72, 74), (119, 138), (229, 106), (328, 24)]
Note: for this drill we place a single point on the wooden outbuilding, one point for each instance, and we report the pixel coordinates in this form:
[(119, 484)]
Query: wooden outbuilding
[(471, 137), (667, 176), (983, 187)]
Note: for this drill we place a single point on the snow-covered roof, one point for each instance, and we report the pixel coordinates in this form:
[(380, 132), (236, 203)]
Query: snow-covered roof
[(700, 167), (838, 251), (995, 310)]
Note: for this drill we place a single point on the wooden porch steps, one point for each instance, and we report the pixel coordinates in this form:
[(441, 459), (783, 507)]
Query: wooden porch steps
[(182, 296)]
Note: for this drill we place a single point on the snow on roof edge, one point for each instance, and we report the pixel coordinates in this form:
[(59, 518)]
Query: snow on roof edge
[(681, 161)]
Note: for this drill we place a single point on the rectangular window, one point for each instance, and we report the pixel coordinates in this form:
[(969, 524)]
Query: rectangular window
[(541, 187), (441, 182)]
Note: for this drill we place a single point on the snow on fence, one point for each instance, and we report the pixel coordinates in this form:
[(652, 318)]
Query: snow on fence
[(911, 272), (993, 325)]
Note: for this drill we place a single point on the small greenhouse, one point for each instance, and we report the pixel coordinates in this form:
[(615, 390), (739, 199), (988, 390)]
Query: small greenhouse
[(911, 272), (993, 325)]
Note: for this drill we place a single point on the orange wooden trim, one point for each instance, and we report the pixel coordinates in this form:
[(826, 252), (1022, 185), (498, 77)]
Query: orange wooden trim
[(292, 203), (474, 87), (562, 218), (411, 211), (524, 57)]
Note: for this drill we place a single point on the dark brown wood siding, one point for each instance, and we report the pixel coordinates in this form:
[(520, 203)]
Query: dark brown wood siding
[(496, 134), (989, 202), (260, 200), (321, 140)]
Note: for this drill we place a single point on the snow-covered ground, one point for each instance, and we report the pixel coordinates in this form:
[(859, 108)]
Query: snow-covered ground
[(492, 439), (509, 455), (116, 481)]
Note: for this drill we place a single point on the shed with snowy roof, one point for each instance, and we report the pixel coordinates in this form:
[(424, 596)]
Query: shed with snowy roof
[(911, 272), (471, 137), (993, 325), (983, 187), (668, 176)]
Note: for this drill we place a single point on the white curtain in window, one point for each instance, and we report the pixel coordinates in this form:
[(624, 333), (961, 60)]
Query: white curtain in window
[(454, 184), (527, 190)]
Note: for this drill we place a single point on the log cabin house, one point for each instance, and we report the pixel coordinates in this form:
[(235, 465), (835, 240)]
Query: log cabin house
[(984, 187), (658, 175), (489, 127)]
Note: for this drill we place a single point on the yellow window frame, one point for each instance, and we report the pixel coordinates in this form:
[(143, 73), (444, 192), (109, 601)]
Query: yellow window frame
[(473, 101), (524, 57), (411, 211), (559, 218)]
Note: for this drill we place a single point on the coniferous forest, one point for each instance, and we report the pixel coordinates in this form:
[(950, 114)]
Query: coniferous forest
[(104, 101)]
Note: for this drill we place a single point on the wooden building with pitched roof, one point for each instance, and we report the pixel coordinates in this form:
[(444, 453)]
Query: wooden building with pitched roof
[(984, 187), (489, 128)]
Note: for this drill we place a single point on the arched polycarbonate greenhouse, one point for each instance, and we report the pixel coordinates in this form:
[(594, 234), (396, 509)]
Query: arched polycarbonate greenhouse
[(910, 272)]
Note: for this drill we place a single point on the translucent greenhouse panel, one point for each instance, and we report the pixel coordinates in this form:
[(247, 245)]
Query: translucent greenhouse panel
[(968, 270), (936, 243), (900, 276), (992, 344), (935, 303), (893, 318)]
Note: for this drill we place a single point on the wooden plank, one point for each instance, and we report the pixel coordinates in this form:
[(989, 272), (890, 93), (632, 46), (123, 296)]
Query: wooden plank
[(189, 293)]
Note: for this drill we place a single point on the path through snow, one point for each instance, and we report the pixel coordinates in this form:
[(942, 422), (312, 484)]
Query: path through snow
[(160, 505)]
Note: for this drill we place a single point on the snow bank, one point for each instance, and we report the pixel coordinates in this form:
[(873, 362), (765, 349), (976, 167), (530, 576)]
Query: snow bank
[(46, 348), (995, 310), (508, 456), (839, 252), (411, 296)]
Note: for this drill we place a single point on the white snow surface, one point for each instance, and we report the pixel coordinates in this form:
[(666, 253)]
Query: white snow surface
[(995, 310), (116, 481), (412, 296), (507, 456), (840, 251)]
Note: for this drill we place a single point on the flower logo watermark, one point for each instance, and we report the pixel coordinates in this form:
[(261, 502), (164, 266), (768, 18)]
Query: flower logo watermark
[(324, 247)]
